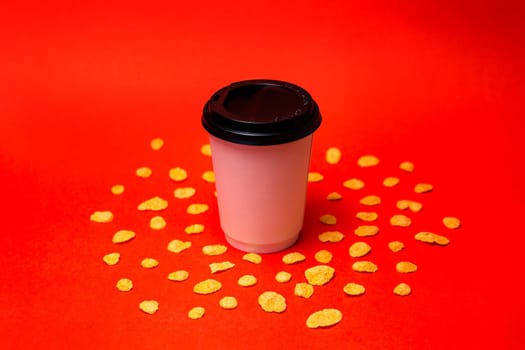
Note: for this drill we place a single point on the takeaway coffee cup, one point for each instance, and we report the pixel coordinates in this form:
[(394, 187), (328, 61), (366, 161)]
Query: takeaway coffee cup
[(261, 135)]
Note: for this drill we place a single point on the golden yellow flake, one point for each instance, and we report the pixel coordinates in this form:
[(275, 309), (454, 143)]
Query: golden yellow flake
[(390, 181), (319, 275), (359, 249), (156, 143), (154, 204), (406, 267), (334, 196), (429, 237), (354, 289), (220, 266), (157, 223), (143, 172), (396, 246), (177, 246), (149, 306), (323, 256), (354, 184), (101, 216), (184, 192), (271, 301), (364, 266), (367, 161), (303, 290), (196, 312), (208, 286), (331, 236), (366, 230), (324, 318), (247, 280), (179, 275), (178, 174), (206, 150), (208, 176), (333, 155), (123, 236), (149, 263), (293, 257), (400, 220), (228, 302), (402, 289), (124, 284), (194, 228), (117, 189), (370, 200), (111, 258), (328, 219), (451, 222), (407, 166), (283, 276), (197, 208), (252, 257), (315, 176), (214, 249), (423, 187), (366, 216)]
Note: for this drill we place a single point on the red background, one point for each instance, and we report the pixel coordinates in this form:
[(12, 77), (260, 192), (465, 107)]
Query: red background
[(85, 87)]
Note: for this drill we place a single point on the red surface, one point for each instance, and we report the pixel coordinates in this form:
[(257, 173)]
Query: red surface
[(85, 87)]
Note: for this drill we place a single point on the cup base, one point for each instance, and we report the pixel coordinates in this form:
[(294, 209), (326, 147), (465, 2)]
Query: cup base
[(261, 248)]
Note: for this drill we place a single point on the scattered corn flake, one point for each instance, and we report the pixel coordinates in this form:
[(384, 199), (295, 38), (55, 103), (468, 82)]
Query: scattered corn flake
[(354, 289), (124, 284), (178, 276), (366, 230), (403, 204), (101, 216), (324, 318), (333, 155), (206, 149), (208, 176), (331, 236), (366, 216), (367, 161), (208, 286), (283, 276), (157, 223), (247, 281), (334, 196), (177, 246), (406, 267), (197, 208), (184, 192), (423, 187), (390, 181), (271, 301), (370, 200), (359, 249), (315, 176), (194, 228), (328, 219), (149, 263), (400, 220), (117, 189), (396, 246), (323, 256), (228, 302), (303, 290), (214, 249), (154, 204), (156, 143), (178, 174), (196, 312), (409, 204), (429, 237), (252, 257), (143, 172), (407, 166), (451, 222), (220, 266), (402, 289), (293, 257), (149, 306), (364, 266), (123, 236), (319, 275), (111, 258), (354, 184)]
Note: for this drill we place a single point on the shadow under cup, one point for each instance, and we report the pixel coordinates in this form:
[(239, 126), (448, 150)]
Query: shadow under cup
[(261, 135)]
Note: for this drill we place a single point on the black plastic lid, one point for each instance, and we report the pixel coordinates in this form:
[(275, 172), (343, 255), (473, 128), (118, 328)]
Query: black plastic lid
[(261, 112)]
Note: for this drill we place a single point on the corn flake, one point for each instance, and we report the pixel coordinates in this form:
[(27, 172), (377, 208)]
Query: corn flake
[(354, 184), (423, 187), (123, 236), (400, 220), (271, 301), (366, 216), (247, 281), (154, 204), (179, 275), (333, 155), (111, 258), (396, 246), (370, 200), (319, 275), (157, 223), (328, 219), (364, 266), (407, 166), (402, 289), (315, 177), (292, 258), (196, 312), (323, 256), (149, 306), (359, 249), (214, 249), (197, 208), (149, 263), (206, 150), (228, 302), (184, 192), (102, 216), (208, 286), (208, 176), (366, 230), (390, 181), (451, 222), (334, 196), (409, 204), (254, 258), (117, 189), (324, 318), (429, 237), (124, 284), (220, 266), (406, 267), (303, 290), (367, 161), (283, 276), (178, 174), (354, 289), (177, 246), (156, 143), (194, 228), (143, 172), (331, 236)]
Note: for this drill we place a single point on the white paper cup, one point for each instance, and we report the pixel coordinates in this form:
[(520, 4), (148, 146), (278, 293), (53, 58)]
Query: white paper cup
[(261, 135)]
